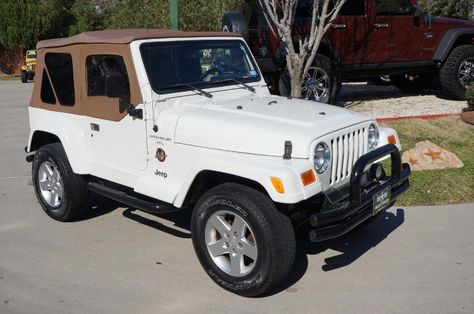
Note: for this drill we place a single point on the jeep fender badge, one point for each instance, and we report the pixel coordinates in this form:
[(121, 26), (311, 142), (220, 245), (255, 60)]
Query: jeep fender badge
[(160, 155)]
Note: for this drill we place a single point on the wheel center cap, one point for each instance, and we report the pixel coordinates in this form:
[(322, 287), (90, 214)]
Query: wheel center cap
[(311, 84)]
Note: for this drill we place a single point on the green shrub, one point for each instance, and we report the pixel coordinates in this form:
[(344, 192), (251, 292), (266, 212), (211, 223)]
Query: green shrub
[(470, 96), (196, 15)]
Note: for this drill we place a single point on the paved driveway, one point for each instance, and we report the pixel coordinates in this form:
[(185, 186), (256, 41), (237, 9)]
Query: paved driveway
[(410, 260)]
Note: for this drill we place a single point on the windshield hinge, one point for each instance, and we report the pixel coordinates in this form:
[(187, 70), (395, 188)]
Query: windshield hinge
[(288, 150)]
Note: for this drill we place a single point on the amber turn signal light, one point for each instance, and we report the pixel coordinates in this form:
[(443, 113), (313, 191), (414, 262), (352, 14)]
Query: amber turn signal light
[(308, 177), (392, 139), (277, 184)]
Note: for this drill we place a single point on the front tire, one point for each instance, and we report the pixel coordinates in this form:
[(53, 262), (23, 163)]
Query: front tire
[(457, 73), (24, 76), (322, 83), (62, 194), (241, 240)]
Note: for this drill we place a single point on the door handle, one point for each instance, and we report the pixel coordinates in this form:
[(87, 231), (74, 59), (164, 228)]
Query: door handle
[(95, 127), (339, 26), (381, 25)]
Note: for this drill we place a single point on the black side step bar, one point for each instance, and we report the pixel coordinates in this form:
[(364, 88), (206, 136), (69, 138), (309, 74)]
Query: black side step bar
[(152, 207)]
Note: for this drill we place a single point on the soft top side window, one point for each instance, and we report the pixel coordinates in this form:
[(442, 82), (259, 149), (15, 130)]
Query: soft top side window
[(99, 67), (394, 7), (353, 7), (60, 72), (47, 94)]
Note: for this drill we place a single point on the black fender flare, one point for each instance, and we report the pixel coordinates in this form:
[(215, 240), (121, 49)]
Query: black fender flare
[(447, 43)]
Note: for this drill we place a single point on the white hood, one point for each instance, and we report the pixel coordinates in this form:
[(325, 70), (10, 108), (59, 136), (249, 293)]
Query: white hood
[(262, 125)]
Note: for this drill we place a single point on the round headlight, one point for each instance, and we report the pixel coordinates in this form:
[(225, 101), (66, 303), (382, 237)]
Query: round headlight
[(322, 157), (373, 136)]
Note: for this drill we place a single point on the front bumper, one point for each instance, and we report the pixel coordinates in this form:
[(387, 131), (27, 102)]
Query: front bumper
[(358, 207)]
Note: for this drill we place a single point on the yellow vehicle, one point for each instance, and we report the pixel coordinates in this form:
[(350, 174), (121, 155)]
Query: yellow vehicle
[(28, 70)]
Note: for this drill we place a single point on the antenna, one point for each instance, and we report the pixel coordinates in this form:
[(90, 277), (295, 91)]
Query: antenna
[(153, 105)]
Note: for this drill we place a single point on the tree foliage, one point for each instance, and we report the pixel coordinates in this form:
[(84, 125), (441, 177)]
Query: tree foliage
[(136, 14), (24, 22), (204, 15), (300, 53), (450, 8)]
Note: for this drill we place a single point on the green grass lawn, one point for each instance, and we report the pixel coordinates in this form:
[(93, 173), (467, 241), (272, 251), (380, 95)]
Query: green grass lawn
[(446, 186), (9, 78)]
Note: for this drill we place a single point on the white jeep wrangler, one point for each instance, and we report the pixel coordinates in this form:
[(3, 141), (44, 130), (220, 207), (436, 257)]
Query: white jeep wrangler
[(161, 121)]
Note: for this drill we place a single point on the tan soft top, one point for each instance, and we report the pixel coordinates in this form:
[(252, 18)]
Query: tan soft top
[(124, 36)]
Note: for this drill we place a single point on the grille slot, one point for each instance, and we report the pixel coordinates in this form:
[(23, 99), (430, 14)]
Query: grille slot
[(346, 149)]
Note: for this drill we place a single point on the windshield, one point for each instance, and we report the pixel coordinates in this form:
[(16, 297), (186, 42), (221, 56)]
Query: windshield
[(31, 54), (173, 66)]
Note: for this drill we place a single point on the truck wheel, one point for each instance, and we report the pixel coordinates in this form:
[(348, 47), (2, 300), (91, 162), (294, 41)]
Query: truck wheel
[(457, 73), (62, 194), (322, 83), (412, 82), (234, 22), (241, 240), (24, 76)]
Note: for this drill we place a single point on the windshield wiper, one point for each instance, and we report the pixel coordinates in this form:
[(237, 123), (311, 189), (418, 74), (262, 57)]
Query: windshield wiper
[(250, 88), (197, 89)]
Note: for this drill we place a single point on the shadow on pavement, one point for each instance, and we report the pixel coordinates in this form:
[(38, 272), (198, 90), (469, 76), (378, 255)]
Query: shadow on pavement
[(351, 246), (98, 206), (180, 219)]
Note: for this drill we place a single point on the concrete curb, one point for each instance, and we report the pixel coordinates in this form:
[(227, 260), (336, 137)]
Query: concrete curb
[(428, 117)]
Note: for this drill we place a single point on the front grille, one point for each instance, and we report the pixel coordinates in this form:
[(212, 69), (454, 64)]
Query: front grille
[(346, 149)]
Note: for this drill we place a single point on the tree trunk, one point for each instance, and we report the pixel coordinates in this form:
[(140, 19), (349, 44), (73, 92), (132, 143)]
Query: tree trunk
[(296, 87)]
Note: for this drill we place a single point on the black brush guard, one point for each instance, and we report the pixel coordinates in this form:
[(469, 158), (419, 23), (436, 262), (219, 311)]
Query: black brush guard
[(359, 207)]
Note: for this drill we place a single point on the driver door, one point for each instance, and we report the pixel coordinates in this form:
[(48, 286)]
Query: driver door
[(117, 141), (396, 28)]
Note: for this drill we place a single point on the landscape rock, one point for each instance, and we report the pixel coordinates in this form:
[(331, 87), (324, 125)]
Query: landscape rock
[(468, 117), (429, 156)]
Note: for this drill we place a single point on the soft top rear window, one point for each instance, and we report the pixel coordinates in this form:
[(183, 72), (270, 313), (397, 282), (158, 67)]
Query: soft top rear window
[(60, 71)]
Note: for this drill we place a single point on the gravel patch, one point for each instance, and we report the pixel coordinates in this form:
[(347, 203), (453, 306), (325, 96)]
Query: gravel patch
[(389, 102)]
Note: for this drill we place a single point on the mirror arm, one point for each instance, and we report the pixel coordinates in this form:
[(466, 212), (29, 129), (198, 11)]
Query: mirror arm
[(124, 104), (136, 113)]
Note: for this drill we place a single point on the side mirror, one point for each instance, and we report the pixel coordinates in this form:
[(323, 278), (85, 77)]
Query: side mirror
[(416, 10), (116, 86)]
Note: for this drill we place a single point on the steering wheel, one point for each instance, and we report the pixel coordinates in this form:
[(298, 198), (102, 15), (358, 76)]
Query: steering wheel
[(210, 71)]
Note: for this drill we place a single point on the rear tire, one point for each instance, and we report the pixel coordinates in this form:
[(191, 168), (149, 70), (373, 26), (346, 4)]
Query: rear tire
[(63, 195), (412, 82), (248, 260), (457, 73), (234, 22)]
